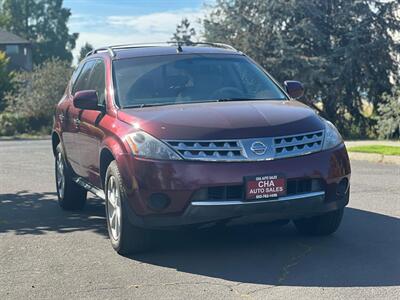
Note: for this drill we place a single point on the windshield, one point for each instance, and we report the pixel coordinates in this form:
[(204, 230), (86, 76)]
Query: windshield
[(173, 79)]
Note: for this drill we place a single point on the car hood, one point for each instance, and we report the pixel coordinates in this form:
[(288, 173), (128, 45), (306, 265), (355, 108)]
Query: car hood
[(224, 120)]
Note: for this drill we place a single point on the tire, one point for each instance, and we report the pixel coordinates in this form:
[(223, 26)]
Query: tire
[(325, 224), (70, 195), (125, 238)]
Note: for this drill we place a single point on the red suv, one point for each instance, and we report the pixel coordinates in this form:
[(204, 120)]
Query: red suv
[(172, 135)]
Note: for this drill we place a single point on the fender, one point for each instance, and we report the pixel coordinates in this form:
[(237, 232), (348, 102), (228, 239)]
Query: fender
[(122, 154)]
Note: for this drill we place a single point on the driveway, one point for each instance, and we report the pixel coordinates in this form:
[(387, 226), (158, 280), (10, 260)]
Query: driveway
[(49, 253)]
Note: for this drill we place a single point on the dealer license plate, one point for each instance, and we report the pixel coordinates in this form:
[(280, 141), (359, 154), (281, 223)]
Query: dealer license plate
[(265, 187)]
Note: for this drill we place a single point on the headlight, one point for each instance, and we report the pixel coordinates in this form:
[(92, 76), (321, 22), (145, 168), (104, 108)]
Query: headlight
[(332, 136), (144, 145)]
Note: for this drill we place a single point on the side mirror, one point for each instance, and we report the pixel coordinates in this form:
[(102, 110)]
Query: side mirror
[(295, 89), (86, 100)]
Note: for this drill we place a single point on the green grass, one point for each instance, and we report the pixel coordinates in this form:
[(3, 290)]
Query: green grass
[(379, 149)]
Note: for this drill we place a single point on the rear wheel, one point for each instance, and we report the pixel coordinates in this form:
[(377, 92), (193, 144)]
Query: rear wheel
[(324, 224), (71, 196), (125, 238)]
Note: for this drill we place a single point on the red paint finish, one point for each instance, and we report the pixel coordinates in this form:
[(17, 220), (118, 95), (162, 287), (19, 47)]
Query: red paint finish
[(87, 134), (180, 179), (225, 120)]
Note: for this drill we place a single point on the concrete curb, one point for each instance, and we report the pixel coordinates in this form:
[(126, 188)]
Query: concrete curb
[(372, 142), (22, 138), (374, 157)]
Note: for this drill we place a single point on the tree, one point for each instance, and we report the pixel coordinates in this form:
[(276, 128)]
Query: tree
[(85, 49), (36, 93), (184, 33), (389, 115), (342, 50), (3, 19), (5, 79), (44, 22)]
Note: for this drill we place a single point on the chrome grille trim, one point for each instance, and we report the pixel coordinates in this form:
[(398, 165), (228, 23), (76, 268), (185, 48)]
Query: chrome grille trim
[(320, 195), (210, 150), (240, 150), (299, 144)]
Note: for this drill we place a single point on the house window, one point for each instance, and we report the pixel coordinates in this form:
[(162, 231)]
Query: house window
[(12, 49)]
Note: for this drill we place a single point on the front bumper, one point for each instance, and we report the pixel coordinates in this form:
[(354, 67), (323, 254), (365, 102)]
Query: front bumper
[(180, 179), (289, 207)]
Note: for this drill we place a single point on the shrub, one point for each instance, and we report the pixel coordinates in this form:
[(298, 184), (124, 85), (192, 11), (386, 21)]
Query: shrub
[(12, 124), (5, 78), (388, 119), (36, 94)]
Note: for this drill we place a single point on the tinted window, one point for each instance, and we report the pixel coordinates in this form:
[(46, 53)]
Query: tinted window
[(97, 80), (190, 78), (75, 74), (83, 78)]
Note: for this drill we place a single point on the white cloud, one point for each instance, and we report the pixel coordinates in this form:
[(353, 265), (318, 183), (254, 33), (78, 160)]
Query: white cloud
[(114, 30), (105, 39), (163, 22)]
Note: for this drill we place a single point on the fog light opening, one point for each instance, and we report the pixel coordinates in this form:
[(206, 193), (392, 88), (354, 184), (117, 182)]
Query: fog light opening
[(158, 202), (342, 187)]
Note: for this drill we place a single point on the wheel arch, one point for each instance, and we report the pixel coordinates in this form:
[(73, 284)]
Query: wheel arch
[(114, 148), (106, 157), (55, 140)]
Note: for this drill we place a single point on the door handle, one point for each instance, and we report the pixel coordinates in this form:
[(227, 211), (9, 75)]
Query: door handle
[(77, 122)]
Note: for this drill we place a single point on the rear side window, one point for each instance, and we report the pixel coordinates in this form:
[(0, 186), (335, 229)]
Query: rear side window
[(97, 80), (83, 77)]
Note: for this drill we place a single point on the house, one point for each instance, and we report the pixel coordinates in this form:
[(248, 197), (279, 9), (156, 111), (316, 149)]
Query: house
[(17, 49)]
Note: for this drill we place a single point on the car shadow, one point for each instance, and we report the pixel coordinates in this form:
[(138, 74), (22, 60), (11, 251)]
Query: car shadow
[(27, 212), (364, 252)]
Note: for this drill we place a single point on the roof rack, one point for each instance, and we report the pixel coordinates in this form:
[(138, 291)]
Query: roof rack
[(217, 45), (179, 45), (108, 49)]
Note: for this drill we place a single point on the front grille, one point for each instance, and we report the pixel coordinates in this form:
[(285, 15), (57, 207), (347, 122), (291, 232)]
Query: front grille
[(236, 192), (255, 149), (298, 144), (209, 150), (299, 186)]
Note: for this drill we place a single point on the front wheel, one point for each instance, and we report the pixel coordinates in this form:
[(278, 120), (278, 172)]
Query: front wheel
[(125, 238), (324, 224)]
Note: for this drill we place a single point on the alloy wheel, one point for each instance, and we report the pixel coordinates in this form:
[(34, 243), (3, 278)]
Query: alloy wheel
[(114, 207), (60, 176)]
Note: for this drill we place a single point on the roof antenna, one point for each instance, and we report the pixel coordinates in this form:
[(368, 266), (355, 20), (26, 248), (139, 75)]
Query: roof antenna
[(179, 48)]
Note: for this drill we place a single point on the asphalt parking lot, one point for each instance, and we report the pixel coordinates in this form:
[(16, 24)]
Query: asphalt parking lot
[(48, 253)]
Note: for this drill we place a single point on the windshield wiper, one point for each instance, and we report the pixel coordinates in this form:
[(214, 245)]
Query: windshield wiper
[(147, 105), (241, 99), (232, 99), (193, 102), (164, 104)]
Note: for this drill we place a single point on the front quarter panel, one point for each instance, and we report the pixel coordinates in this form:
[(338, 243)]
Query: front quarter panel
[(114, 142)]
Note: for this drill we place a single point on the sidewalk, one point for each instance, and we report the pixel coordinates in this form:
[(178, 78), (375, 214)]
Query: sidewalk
[(373, 157)]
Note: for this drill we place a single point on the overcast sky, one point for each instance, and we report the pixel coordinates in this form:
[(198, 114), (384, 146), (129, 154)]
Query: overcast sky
[(108, 22)]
